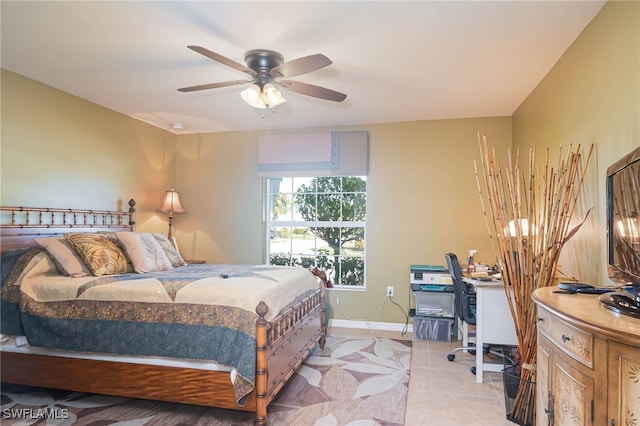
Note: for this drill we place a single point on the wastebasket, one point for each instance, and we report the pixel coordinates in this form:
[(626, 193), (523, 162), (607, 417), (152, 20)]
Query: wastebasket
[(512, 382)]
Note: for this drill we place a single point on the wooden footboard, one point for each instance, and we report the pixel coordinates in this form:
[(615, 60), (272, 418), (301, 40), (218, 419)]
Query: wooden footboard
[(282, 345)]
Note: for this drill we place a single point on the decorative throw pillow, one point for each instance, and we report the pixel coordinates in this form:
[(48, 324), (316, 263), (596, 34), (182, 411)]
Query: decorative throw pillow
[(144, 251), (170, 250), (66, 259), (100, 253)]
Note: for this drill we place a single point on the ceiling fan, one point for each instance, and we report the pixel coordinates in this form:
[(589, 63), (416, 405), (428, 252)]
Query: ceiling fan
[(265, 66)]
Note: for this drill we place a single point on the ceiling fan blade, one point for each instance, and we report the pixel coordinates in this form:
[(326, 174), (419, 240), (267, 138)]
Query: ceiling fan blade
[(223, 60), (214, 85), (301, 66), (311, 90)]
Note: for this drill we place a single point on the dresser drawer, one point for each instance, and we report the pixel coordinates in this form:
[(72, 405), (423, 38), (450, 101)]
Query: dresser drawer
[(576, 343)]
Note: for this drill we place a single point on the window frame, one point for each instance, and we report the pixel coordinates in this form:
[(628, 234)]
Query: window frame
[(292, 224)]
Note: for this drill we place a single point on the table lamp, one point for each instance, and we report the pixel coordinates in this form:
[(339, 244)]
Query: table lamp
[(172, 205)]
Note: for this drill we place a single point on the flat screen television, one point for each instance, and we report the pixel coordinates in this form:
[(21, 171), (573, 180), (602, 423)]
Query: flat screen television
[(623, 235), (623, 220)]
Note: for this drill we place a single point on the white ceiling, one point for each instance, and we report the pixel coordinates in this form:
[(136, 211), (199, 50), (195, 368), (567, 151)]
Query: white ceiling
[(396, 61)]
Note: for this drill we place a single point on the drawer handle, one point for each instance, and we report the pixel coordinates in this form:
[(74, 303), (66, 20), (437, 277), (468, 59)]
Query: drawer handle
[(540, 319), (565, 338)]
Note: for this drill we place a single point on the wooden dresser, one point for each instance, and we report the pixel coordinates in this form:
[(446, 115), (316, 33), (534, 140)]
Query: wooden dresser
[(588, 367)]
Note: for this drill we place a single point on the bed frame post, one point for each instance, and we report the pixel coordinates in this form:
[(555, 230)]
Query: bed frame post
[(132, 213), (323, 313), (261, 365)]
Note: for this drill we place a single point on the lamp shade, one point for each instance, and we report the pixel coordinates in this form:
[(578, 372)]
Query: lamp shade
[(172, 203), (628, 229), (253, 96), (520, 225), (272, 96)]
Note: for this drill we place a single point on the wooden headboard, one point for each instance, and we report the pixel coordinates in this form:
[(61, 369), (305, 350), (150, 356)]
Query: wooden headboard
[(20, 225)]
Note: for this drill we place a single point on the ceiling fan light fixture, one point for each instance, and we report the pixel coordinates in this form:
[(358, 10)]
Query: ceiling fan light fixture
[(264, 66), (271, 96), (252, 95)]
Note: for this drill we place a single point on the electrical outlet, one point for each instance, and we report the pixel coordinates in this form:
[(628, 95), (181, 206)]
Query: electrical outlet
[(390, 290)]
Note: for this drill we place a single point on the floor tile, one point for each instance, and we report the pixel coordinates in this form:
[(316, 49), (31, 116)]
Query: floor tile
[(443, 392)]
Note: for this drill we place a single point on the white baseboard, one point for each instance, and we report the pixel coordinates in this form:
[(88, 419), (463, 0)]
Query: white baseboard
[(370, 325)]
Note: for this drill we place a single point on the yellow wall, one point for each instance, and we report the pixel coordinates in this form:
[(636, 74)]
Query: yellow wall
[(592, 95), (422, 202), (61, 151), (222, 192)]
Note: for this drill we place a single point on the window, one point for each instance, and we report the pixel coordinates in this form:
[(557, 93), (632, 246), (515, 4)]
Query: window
[(319, 221)]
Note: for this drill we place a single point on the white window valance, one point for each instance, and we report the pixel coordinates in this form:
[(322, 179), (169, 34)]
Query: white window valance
[(314, 154)]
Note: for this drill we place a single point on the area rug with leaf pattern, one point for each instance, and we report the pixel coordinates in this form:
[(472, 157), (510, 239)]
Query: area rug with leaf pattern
[(352, 381)]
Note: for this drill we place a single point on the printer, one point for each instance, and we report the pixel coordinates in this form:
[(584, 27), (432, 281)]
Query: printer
[(434, 315), (430, 278)]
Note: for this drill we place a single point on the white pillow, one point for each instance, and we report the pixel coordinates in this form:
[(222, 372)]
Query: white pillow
[(170, 250), (145, 253), (66, 259)]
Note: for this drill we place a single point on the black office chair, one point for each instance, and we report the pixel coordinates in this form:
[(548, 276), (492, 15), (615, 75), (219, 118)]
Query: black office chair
[(465, 303), (465, 306)]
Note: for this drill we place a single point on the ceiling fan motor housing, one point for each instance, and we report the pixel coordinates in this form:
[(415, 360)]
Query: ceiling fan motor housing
[(263, 61)]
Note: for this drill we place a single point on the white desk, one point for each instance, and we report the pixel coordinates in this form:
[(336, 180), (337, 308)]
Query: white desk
[(494, 323)]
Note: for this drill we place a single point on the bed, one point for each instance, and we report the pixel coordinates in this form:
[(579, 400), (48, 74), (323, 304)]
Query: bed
[(91, 333)]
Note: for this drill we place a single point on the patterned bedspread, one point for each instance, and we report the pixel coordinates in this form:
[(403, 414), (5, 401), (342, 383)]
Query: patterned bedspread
[(193, 312)]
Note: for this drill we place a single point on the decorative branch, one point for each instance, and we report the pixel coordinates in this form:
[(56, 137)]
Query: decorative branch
[(541, 207)]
